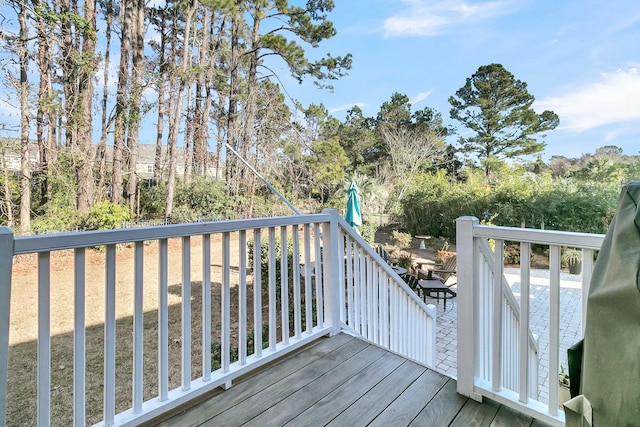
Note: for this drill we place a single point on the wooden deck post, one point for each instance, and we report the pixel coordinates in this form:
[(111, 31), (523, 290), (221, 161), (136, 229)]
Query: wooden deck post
[(330, 271), (6, 261), (466, 313)]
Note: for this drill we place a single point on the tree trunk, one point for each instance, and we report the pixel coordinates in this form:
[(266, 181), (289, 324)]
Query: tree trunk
[(250, 108), (188, 138), (25, 164), (220, 140), (101, 155), (176, 114), (120, 126), (136, 95), (157, 164), (232, 168), (86, 184), (45, 112)]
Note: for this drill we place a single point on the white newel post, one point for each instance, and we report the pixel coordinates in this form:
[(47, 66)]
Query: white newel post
[(6, 260), (466, 314), (330, 270)]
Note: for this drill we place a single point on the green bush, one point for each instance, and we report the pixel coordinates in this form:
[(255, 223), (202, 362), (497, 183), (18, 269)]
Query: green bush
[(264, 260), (368, 232), (205, 197), (153, 201), (183, 215), (104, 216), (55, 219), (400, 239), (514, 200), (216, 347)]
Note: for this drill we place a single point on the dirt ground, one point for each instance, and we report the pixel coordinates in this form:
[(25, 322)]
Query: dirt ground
[(24, 326)]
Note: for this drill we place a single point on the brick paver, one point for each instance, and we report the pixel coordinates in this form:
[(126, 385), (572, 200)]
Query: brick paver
[(570, 322)]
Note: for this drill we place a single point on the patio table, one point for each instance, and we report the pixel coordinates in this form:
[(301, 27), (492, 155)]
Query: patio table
[(399, 270), (436, 286)]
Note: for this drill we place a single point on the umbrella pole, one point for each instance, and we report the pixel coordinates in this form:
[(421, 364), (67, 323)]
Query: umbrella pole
[(267, 183)]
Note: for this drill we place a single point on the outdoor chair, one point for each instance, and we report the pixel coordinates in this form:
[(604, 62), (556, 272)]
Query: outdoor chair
[(380, 250), (413, 283), (442, 272)]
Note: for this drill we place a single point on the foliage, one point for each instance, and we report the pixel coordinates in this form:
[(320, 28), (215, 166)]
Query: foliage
[(570, 256), (56, 219), (358, 140), (368, 232), (497, 107), (264, 260), (400, 239), (527, 200), (152, 201), (327, 167), (511, 254), (183, 215), (216, 347), (404, 260), (204, 197), (104, 216), (563, 377)]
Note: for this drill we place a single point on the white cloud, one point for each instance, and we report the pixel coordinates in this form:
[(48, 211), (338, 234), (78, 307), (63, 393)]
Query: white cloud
[(347, 107), (428, 17), (615, 98), (420, 97)]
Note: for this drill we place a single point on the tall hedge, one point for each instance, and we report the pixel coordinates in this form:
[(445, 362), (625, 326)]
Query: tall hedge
[(528, 200)]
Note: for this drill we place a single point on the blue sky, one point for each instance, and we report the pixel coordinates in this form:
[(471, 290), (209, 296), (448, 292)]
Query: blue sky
[(579, 58)]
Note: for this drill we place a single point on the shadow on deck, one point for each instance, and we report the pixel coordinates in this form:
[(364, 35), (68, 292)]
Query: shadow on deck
[(344, 381)]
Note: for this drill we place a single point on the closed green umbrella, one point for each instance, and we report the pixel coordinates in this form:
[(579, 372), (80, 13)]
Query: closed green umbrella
[(353, 215)]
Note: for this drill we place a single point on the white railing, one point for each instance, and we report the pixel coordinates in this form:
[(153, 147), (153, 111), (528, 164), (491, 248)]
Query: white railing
[(295, 296), (494, 360), (379, 306), (510, 327)]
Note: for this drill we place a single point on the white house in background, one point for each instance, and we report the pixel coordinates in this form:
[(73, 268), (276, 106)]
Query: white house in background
[(10, 153)]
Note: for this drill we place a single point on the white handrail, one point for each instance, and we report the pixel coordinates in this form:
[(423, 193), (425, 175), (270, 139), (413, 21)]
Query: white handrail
[(495, 347), (324, 296), (511, 328), (400, 320)]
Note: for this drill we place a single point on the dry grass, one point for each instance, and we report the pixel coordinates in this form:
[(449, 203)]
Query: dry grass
[(23, 329)]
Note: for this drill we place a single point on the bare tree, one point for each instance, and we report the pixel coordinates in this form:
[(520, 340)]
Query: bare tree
[(410, 149)]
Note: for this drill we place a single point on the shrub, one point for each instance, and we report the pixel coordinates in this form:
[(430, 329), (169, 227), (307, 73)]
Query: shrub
[(515, 199), (400, 239), (55, 219), (404, 260), (264, 260), (216, 347), (104, 216), (368, 232), (205, 197), (153, 201), (183, 214)]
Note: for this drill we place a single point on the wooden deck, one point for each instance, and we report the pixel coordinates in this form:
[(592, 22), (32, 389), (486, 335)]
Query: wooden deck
[(344, 381)]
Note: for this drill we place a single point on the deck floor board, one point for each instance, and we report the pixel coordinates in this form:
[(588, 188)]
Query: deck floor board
[(342, 381)]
